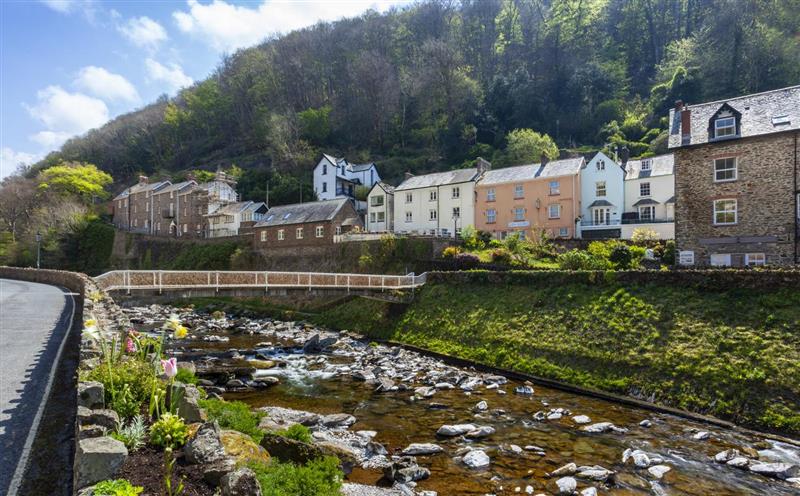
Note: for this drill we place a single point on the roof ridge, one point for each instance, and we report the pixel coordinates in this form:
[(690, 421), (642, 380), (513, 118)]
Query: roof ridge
[(750, 95)]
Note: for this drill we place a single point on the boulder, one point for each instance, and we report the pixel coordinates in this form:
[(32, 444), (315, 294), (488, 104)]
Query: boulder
[(776, 470), (658, 471), (581, 419), (186, 398), (405, 470), (422, 449), (738, 462), (291, 450), (91, 394), (589, 491), (102, 417), (214, 472), (241, 448), (97, 459), (455, 430), (566, 485), (482, 431), (476, 459), (568, 469), (240, 482), (338, 420), (726, 456), (87, 431), (205, 446)]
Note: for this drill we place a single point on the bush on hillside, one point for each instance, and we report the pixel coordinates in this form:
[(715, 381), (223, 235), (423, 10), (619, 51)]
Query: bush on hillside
[(234, 415), (320, 477), (501, 256)]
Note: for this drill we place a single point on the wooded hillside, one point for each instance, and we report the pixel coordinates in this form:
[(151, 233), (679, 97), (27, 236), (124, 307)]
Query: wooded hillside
[(435, 85)]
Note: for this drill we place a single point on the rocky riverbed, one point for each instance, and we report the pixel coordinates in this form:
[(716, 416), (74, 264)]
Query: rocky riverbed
[(416, 425)]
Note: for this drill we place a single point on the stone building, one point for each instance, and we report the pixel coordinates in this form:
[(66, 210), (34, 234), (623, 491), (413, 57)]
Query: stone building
[(306, 224), (736, 179)]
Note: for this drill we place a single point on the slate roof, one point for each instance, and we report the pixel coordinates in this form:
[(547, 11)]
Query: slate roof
[(601, 203), (176, 186), (554, 168), (361, 167), (301, 213), (439, 179), (139, 188), (645, 201), (388, 188), (757, 114), (660, 165), (231, 208)]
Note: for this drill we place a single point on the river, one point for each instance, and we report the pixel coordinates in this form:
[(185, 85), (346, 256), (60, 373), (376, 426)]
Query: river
[(531, 435)]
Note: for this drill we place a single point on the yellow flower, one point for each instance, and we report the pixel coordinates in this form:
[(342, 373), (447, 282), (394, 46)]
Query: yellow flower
[(180, 332), (90, 323)]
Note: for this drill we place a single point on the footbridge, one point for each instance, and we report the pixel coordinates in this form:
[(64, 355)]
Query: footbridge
[(252, 283)]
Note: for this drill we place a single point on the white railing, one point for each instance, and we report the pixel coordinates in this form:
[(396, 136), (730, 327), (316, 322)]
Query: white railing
[(225, 279)]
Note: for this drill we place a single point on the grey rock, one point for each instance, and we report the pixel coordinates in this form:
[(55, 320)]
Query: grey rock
[(589, 491), (645, 423), (726, 456), (455, 430), (97, 459), (215, 471), (482, 406), (186, 398), (776, 470), (524, 390), (568, 469), (385, 385), (601, 427), (91, 394), (338, 420), (566, 485), (581, 419), (738, 462), (476, 459), (701, 436), (595, 473), (495, 379), (87, 431), (240, 482), (482, 431), (422, 449), (102, 417), (658, 471), (205, 446), (187, 366)]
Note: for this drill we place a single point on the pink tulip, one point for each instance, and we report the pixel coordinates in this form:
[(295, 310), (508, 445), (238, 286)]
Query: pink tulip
[(130, 346), (170, 367)]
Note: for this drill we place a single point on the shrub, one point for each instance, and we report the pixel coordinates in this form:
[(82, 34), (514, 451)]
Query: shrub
[(574, 260), (467, 260), (495, 243), (169, 431), (298, 432), (501, 256), (320, 477), (186, 376), (116, 487), (621, 256), (644, 236), (234, 415), (451, 252), (637, 255), (138, 376), (669, 253), (124, 402), (131, 434)]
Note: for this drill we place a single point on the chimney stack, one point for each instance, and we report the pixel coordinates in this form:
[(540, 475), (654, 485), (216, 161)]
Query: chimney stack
[(686, 121), (543, 161), (143, 180), (624, 155), (408, 175), (483, 165)]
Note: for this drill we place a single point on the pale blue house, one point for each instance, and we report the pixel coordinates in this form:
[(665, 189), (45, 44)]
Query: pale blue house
[(602, 198)]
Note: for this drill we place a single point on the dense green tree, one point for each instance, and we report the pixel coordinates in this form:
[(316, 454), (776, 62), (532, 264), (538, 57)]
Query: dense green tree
[(526, 146), (76, 179)]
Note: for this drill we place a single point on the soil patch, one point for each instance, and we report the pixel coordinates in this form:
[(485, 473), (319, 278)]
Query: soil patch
[(146, 468)]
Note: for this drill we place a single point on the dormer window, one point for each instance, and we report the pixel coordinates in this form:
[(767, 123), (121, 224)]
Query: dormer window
[(724, 126), (647, 164)]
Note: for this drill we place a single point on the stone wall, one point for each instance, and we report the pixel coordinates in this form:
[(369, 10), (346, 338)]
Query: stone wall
[(764, 190)]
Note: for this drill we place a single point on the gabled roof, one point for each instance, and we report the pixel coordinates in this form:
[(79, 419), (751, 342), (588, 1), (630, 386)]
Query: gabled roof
[(529, 172), (301, 213), (388, 188), (601, 203), (660, 165), (176, 186), (142, 187), (360, 167), (646, 201), (761, 113), (123, 194), (230, 208), (603, 156), (439, 179)]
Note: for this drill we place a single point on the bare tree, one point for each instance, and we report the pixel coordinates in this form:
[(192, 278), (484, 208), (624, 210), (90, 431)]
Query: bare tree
[(18, 198)]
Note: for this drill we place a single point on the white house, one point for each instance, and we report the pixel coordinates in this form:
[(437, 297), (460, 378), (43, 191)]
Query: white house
[(650, 196), (380, 208), (228, 220), (337, 178), (441, 203), (602, 198)]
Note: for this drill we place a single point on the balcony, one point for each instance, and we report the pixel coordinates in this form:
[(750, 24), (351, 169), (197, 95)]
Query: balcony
[(617, 222)]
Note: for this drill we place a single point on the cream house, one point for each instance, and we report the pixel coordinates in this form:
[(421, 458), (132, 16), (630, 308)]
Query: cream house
[(438, 204), (380, 208), (650, 196), (230, 219)]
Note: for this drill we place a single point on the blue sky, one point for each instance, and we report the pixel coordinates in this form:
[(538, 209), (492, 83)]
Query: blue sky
[(68, 66)]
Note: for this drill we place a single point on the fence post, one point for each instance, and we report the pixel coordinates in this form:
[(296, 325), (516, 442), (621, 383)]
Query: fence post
[(128, 277), (216, 286), (266, 282), (160, 281), (348, 283)]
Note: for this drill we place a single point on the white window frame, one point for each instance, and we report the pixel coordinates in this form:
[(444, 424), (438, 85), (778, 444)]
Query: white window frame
[(603, 214), (490, 195), (324, 187), (433, 214), (718, 127), (735, 211), (735, 170), (600, 189), (563, 232), (519, 213), (720, 260), (555, 188), (298, 233), (519, 191), (433, 195), (755, 259), (281, 235), (641, 189), (550, 211), (409, 217), (409, 197), (651, 209), (376, 201), (381, 216), (372, 216), (601, 165), (491, 216), (456, 212), (319, 231), (456, 192), (263, 236), (647, 164)]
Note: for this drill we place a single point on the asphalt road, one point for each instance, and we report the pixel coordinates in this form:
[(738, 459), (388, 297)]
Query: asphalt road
[(34, 322)]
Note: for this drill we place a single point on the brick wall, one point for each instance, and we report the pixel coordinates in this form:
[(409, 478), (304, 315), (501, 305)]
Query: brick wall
[(270, 236), (765, 194)]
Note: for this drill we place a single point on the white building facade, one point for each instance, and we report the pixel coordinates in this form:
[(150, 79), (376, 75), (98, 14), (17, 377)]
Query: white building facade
[(337, 178), (380, 208), (229, 219), (602, 198), (438, 204), (650, 196)]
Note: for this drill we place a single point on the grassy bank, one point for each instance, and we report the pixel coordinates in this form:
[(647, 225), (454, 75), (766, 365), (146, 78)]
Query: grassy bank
[(734, 354)]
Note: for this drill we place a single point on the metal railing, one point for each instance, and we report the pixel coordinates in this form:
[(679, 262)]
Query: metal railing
[(221, 279)]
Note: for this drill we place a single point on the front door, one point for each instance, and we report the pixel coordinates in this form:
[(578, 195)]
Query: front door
[(601, 216)]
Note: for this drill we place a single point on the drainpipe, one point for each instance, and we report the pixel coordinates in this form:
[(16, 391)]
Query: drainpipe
[(438, 212), (796, 207)]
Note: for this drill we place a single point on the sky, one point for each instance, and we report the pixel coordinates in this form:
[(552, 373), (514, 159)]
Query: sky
[(68, 66)]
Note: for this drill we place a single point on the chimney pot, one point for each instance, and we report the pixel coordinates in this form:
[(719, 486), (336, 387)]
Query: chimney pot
[(678, 104), (143, 180), (483, 165), (686, 125), (408, 175)]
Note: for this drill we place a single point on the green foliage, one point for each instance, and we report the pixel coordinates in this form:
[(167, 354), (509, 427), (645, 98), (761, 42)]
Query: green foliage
[(472, 239), (132, 433), (77, 179), (87, 247), (315, 124), (234, 415), (116, 487), (644, 236), (135, 375), (620, 256), (451, 251), (203, 176), (206, 256), (124, 402), (186, 376), (526, 146), (169, 431), (669, 253), (501, 256), (317, 478), (298, 432)]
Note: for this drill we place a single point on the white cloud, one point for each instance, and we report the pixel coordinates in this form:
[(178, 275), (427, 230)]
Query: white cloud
[(226, 27), (144, 32), (106, 85), (173, 76), (63, 6), (10, 160), (65, 114)]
